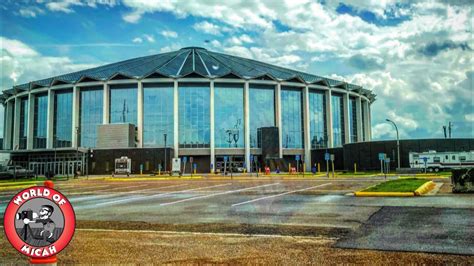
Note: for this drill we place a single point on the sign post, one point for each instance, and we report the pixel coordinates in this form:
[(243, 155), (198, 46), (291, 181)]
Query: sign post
[(332, 163), (225, 165), (326, 158), (185, 160), (297, 159), (251, 162), (381, 159), (425, 160), (191, 165)]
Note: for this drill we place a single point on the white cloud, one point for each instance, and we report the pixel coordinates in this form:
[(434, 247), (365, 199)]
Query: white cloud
[(30, 11), (149, 37), (66, 6), (21, 64), (244, 38), (137, 40), (207, 27), (169, 34)]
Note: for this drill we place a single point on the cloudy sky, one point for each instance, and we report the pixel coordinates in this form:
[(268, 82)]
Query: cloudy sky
[(417, 56)]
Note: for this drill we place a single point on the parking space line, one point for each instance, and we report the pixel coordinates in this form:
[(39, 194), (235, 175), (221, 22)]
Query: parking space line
[(109, 189), (277, 195), (215, 194), (120, 193), (157, 195)]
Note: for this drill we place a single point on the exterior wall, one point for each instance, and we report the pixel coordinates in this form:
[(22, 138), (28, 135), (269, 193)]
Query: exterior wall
[(305, 151)]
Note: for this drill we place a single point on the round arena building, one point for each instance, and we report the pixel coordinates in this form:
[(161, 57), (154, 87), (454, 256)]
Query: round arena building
[(210, 109)]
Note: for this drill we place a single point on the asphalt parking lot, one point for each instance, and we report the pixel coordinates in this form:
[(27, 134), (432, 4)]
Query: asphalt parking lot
[(298, 207)]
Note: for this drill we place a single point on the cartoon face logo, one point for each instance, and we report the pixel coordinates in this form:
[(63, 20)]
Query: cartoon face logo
[(39, 222)]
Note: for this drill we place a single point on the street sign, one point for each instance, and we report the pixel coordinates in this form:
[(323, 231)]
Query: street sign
[(327, 156), (332, 157), (176, 165), (251, 157), (185, 159), (297, 157), (255, 158), (387, 160), (191, 159), (226, 158), (195, 165), (425, 159), (381, 156)]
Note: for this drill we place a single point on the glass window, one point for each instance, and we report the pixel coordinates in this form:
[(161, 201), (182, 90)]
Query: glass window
[(352, 120), (158, 117), (261, 110), (229, 115), (317, 116), (91, 109), (194, 115), (40, 121), (23, 123), (62, 119), (292, 117), (462, 158), (123, 104), (337, 120), (436, 159)]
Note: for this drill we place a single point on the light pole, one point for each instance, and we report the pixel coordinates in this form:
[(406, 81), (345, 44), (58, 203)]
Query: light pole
[(398, 142)]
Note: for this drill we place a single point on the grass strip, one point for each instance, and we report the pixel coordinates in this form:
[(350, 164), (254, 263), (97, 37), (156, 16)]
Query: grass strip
[(399, 185)]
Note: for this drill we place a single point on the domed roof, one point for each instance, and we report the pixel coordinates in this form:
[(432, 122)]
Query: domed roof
[(188, 62)]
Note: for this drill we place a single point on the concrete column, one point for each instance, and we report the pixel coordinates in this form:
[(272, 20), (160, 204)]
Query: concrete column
[(212, 129), (75, 115), (347, 118), (329, 118), (106, 105), (175, 119), (306, 129), (365, 105), (359, 119), (31, 121), (278, 118), (8, 125), (369, 121), (16, 124), (248, 164), (50, 121), (140, 114)]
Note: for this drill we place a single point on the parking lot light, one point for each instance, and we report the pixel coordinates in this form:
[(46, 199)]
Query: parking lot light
[(398, 141)]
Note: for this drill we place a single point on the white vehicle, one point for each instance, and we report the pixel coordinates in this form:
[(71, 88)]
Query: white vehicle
[(123, 166), (436, 161)]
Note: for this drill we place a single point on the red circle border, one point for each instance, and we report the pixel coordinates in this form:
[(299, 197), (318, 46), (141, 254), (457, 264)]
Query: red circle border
[(63, 240)]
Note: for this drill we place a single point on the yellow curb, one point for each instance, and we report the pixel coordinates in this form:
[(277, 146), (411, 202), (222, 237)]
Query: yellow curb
[(384, 194), (150, 178), (425, 188), (17, 187), (7, 184)]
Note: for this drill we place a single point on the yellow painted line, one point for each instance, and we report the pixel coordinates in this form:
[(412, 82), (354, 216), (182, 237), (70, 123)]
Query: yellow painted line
[(158, 178), (17, 187), (5, 184), (384, 194), (425, 188)]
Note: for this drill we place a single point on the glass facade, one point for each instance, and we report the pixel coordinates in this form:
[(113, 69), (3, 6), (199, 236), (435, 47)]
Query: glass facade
[(23, 123), (352, 120), (91, 108), (194, 115), (229, 116), (40, 121), (261, 110), (317, 116), (62, 136), (292, 117), (123, 104), (158, 118), (337, 120)]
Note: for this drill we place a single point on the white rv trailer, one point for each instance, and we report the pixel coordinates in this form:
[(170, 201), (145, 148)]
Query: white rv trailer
[(436, 161)]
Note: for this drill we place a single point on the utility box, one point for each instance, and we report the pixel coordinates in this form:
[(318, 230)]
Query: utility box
[(116, 136), (123, 166)]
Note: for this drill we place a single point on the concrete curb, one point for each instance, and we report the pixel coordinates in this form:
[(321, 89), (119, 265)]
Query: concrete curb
[(425, 188), (384, 194)]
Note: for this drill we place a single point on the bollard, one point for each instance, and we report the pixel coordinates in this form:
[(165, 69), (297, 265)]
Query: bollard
[(52, 260), (319, 168), (355, 168)]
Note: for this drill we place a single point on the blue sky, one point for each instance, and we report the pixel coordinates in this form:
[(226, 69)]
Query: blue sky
[(416, 56)]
